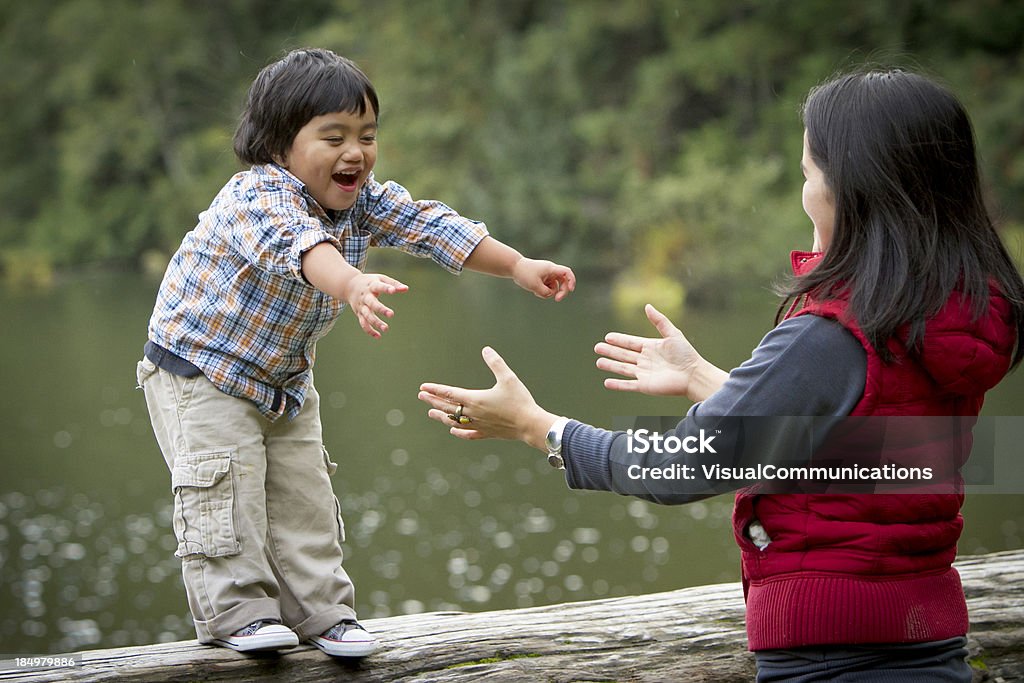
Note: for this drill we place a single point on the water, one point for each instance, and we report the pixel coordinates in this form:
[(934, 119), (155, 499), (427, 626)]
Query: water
[(86, 550)]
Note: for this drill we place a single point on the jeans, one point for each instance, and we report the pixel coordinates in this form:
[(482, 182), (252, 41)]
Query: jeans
[(941, 661)]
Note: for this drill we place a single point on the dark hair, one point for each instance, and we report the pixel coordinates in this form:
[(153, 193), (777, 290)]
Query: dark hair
[(287, 94), (898, 155)]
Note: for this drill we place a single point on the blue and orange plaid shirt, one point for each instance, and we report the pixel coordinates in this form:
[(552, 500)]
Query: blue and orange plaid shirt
[(234, 302)]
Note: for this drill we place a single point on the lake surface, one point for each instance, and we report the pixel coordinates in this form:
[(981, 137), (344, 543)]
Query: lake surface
[(433, 523)]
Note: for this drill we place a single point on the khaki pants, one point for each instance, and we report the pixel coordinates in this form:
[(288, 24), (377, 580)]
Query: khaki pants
[(259, 528)]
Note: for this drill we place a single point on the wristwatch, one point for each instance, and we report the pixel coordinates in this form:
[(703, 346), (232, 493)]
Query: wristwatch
[(553, 442)]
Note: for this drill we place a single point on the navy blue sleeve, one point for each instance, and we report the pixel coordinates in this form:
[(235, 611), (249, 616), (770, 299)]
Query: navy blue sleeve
[(807, 366)]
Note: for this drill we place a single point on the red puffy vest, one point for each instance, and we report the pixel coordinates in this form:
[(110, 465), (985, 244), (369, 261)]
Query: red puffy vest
[(875, 568)]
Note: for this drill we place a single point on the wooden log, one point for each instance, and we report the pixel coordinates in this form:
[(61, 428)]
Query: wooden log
[(692, 634)]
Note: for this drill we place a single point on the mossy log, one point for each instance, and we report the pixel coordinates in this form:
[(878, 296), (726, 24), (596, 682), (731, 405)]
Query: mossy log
[(692, 634)]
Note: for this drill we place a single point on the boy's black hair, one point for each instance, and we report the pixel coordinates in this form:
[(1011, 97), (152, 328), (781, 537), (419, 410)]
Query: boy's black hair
[(898, 155), (287, 94)]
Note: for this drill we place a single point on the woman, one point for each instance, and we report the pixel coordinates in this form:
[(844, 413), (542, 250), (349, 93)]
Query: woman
[(908, 305)]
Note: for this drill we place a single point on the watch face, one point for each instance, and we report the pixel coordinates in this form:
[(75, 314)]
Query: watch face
[(553, 440)]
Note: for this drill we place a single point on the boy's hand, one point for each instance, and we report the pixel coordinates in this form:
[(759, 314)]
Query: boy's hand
[(362, 294), (544, 278)]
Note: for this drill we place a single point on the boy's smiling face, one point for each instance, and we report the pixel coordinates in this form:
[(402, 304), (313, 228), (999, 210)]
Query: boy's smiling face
[(333, 155)]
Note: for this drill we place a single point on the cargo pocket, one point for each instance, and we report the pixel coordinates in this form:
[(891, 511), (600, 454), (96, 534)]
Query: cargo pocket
[(332, 467), (204, 501)]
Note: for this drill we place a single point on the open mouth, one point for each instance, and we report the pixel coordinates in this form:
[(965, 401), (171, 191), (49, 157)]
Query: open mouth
[(346, 180)]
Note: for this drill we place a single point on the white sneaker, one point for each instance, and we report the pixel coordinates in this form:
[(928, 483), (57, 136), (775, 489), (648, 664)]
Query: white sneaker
[(260, 635), (345, 639)]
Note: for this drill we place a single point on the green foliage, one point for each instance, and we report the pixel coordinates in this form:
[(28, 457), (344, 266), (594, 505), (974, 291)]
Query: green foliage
[(660, 137)]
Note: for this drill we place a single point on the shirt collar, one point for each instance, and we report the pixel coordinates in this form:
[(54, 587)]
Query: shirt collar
[(276, 171)]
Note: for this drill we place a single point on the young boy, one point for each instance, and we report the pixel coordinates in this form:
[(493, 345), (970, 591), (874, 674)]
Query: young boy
[(227, 371)]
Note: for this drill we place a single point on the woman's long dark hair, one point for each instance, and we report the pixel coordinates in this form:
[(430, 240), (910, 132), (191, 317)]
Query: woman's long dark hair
[(898, 154)]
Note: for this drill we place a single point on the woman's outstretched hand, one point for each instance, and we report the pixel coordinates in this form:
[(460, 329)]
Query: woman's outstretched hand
[(505, 411), (665, 366)]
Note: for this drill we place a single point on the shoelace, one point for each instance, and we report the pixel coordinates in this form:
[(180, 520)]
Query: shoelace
[(338, 631), (253, 627)]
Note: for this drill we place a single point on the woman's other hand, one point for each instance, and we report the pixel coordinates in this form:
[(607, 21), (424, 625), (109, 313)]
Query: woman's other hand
[(665, 366)]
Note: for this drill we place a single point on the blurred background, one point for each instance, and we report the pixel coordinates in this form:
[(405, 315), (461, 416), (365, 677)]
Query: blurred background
[(654, 146)]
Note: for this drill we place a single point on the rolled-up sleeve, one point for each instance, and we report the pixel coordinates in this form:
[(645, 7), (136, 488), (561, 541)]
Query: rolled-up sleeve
[(427, 229)]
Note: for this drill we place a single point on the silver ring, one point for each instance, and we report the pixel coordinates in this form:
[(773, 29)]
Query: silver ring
[(458, 417)]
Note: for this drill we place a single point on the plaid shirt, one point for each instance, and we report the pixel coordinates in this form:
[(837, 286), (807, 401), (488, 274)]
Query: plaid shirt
[(234, 302)]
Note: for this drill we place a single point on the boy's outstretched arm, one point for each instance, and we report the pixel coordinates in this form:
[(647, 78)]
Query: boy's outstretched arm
[(325, 268), (543, 278)]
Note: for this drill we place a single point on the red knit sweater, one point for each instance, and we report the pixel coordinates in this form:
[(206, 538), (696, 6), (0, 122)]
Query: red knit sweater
[(875, 568)]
